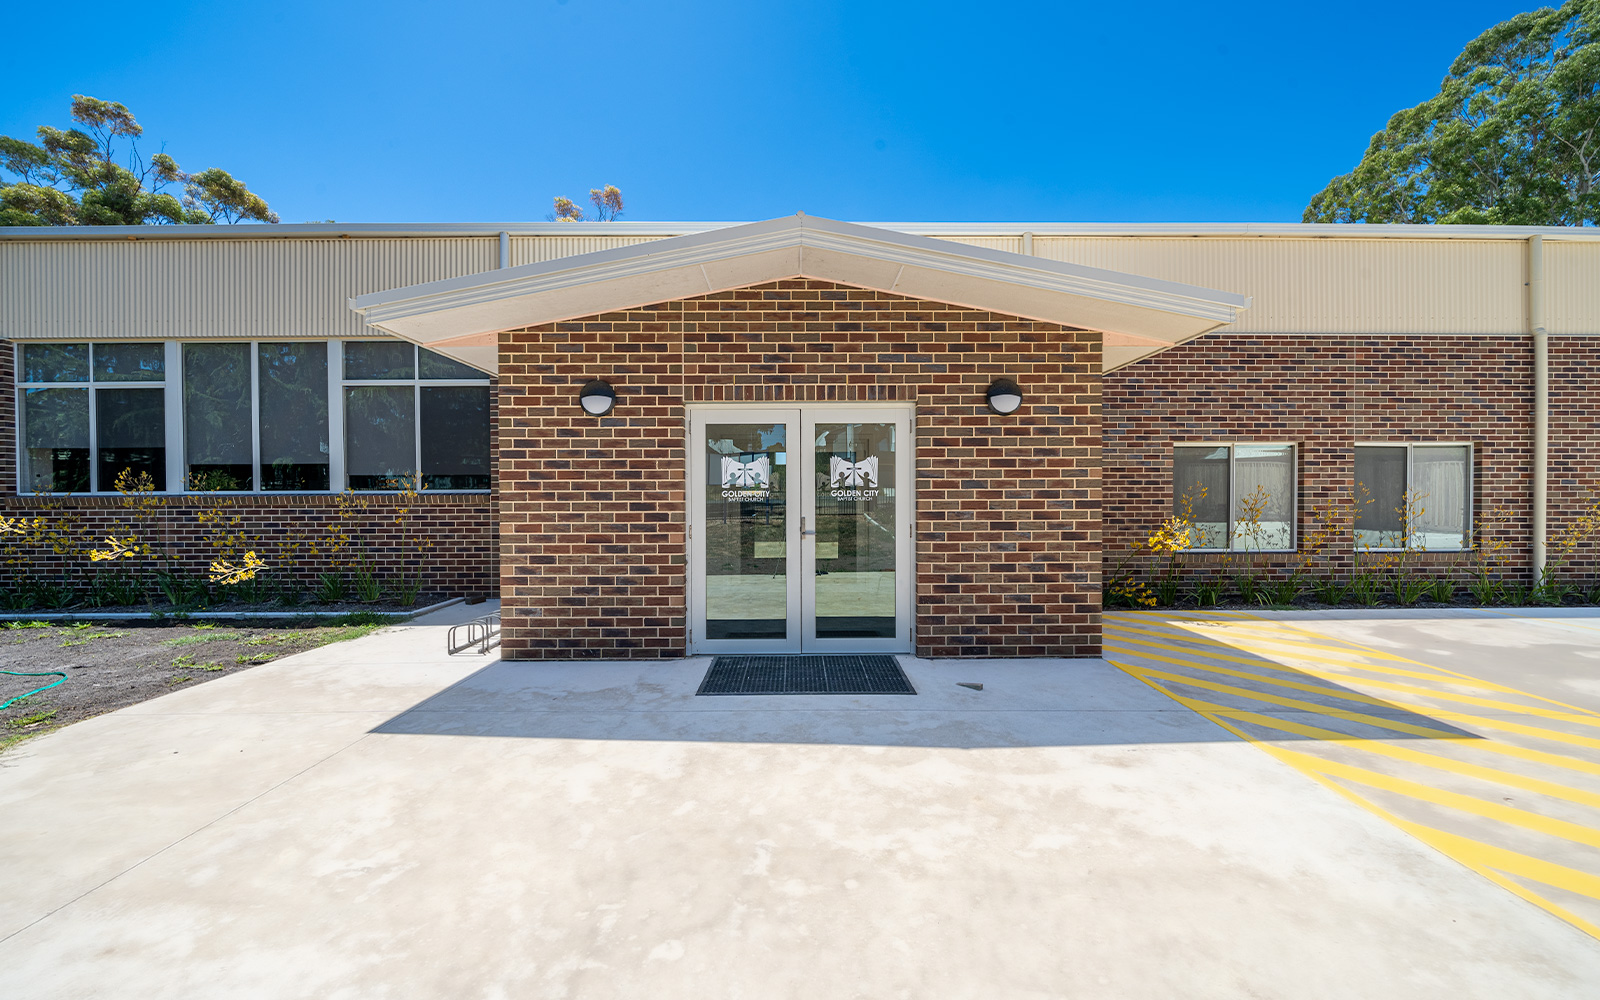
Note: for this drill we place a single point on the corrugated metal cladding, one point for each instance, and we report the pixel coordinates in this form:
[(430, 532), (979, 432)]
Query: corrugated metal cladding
[(1572, 288), (1334, 286), (216, 288), (537, 249), (281, 287)]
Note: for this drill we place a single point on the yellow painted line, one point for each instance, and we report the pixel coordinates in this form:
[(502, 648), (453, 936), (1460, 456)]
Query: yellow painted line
[(1301, 630), (1510, 779), (1252, 622), (1215, 638), (1353, 664), (1469, 739), (1434, 713), (1490, 703), (1476, 856), (1489, 861)]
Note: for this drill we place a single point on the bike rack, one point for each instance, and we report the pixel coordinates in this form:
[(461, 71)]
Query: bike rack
[(481, 632)]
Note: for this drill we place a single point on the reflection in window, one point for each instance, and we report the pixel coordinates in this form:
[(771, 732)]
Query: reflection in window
[(1413, 496), (455, 437), (379, 360), (80, 439), (380, 437), (216, 416), (132, 435), (56, 440), (294, 415), (1239, 497)]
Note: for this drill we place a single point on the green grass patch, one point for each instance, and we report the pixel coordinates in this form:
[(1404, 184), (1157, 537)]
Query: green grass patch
[(27, 624), (199, 636), (33, 720), (92, 636)]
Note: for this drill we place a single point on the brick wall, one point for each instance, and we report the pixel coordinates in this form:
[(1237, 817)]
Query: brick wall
[(449, 538), (593, 555), (1575, 441), (1325, 393)]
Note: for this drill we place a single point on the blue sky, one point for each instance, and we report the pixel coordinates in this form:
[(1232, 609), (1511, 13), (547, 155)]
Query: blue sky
[(482, 112)]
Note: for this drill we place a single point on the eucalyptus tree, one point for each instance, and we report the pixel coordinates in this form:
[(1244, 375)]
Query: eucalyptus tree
[(1512, 137), (80, 176)]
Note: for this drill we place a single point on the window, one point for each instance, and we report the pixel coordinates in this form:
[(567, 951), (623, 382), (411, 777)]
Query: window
[(256, 416), (261, 416), (1421, 496), (89, 412), (409, 410), (1240, 497)]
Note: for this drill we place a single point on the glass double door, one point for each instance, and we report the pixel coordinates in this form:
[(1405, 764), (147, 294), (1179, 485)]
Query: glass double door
[(800, 533)]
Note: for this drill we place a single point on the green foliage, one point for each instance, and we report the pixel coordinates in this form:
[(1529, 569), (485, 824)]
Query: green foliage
[(1512, 137), (330, 588), (183, 591), (79, 177), (1442, 591)]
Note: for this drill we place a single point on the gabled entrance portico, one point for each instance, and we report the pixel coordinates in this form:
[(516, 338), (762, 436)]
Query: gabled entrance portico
[(999, 511)]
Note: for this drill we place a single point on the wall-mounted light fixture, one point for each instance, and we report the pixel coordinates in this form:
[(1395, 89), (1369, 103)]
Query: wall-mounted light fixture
[(597, 398), (1004, 396)]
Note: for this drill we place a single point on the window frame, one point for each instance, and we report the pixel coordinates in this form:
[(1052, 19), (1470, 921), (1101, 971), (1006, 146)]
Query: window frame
[(417, 384), (1410, 447), (177, 465), (1294, 498), (169, 387)]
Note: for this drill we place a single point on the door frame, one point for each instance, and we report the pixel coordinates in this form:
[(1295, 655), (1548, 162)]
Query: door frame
[(800, 560)]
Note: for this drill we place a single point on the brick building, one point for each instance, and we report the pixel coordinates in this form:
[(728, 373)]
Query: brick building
[(803, 435)]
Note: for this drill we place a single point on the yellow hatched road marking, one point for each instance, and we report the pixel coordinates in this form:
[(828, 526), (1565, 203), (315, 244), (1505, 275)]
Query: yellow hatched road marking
[(1493, 863), (1584, 719), (1437, 714), (1538, 786), (1354, 664), (1470, 740), (1252, 621)]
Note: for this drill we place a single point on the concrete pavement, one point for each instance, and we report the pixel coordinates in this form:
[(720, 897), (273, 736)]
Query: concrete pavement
[(376, 819)]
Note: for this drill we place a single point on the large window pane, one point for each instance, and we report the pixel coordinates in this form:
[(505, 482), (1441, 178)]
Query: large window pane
[(130, 362), (437, 366), (1441, 485), (1380, 496), (368, 360), (55, 442), (380, 428), (55, 363), (131, 427), (216, 416), (1200, 492), (855, 530), (455, 438), (294, 416), (1263, 504), (746, 545)]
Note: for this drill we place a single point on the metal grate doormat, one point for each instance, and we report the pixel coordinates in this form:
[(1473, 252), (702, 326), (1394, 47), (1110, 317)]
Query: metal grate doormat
[(832, 674)]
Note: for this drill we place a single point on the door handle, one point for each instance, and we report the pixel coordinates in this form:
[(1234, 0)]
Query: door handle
[(803, 530)]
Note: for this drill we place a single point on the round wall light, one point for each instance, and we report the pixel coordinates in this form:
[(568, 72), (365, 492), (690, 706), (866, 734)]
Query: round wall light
[(597, 398), (1004, 396)]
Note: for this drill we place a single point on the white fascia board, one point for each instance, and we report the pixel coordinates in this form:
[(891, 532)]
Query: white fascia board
[(920, 267)]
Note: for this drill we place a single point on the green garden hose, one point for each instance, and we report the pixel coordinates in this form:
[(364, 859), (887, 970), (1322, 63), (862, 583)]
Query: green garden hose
[(30, 694)]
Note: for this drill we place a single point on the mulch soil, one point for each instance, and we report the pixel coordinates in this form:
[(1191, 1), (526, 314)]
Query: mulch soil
[(113, 665)]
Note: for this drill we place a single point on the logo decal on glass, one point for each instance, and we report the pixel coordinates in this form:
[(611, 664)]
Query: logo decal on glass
[(738, 474), (843, 473), (850, 480)]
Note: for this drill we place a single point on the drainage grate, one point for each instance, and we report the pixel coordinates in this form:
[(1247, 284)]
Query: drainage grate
[(805, 675)]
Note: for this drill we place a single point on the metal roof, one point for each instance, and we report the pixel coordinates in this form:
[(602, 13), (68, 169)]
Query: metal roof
[(392, 230)]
